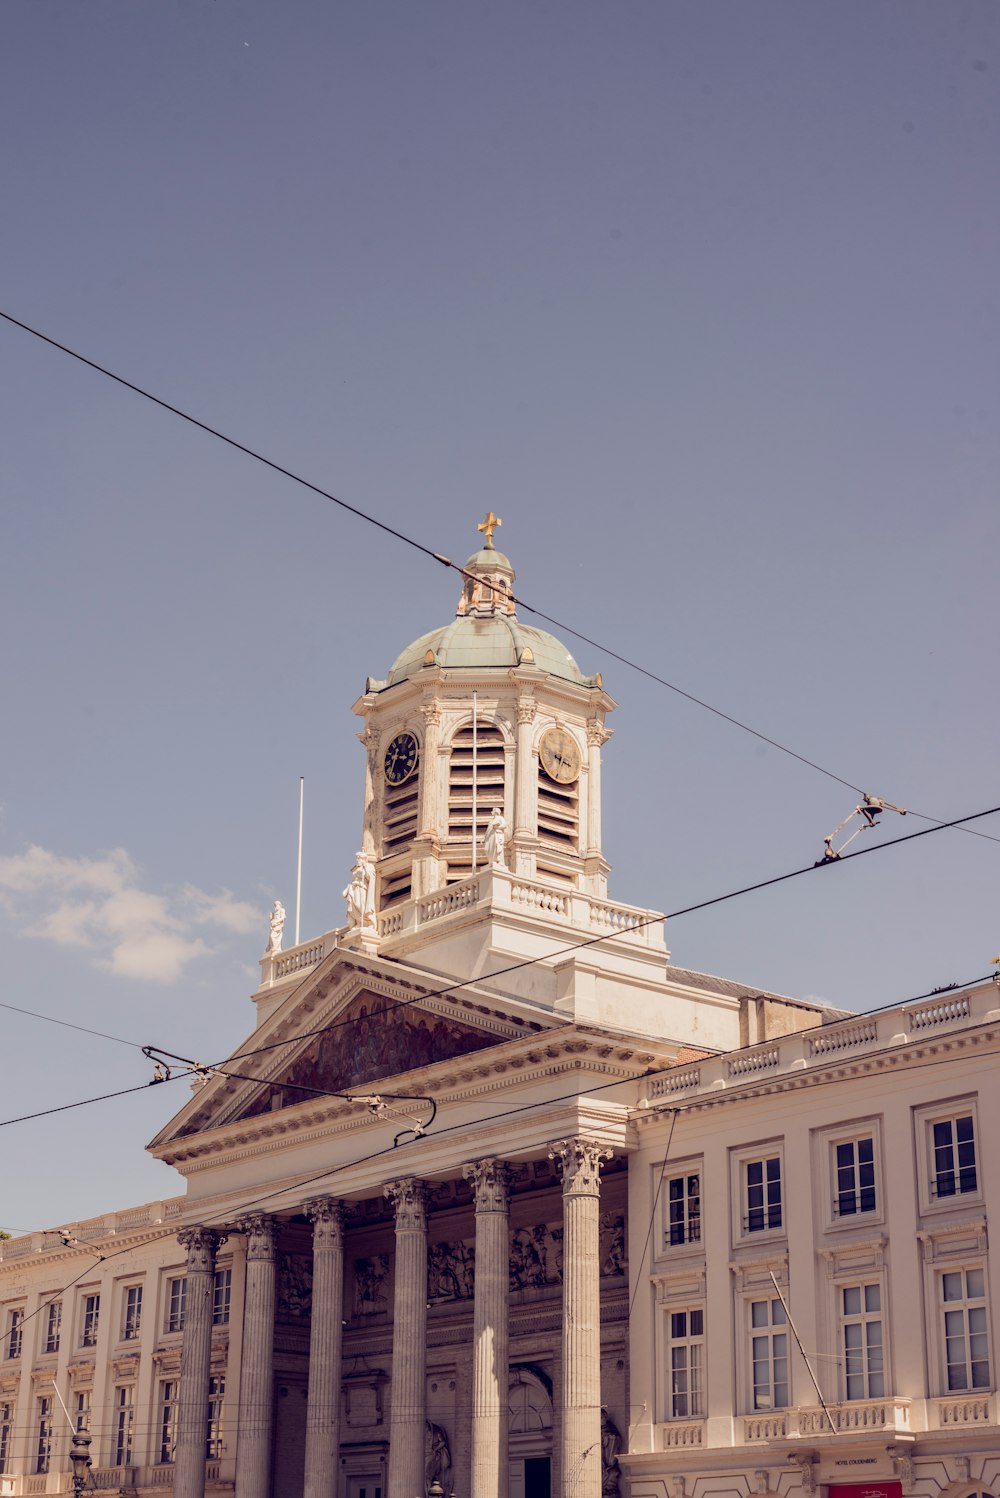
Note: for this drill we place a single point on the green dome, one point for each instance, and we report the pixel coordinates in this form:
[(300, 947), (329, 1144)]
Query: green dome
[(485, 634), (497, 642)]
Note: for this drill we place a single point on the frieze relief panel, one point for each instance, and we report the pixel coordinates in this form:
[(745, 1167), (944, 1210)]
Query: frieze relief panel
[(294, 1286), (371, 1296)]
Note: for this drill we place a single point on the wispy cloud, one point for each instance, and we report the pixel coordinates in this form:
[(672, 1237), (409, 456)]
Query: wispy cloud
[(99, 904)]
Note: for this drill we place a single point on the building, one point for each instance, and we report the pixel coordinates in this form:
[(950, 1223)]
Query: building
[(494, 1195)]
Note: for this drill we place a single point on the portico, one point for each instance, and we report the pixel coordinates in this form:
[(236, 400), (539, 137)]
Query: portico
[(420, 1308)]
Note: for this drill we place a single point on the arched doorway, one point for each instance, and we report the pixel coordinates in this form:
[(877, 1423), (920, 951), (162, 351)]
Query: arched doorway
[(529, 1402)]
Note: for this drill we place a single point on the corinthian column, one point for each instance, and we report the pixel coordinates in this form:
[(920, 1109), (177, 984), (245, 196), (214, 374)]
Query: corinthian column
[(409, 1340), (196, 1353), (254, 1437), (580, 1437), (325, 1339), (491, 1182)]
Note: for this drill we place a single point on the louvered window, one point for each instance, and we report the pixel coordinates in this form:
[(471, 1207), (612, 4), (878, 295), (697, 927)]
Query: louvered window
[(489, 781), (399, 816), (558, 813)]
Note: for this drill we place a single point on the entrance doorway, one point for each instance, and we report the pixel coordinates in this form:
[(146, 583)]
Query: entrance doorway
[(368, 1485), (530, 1433)]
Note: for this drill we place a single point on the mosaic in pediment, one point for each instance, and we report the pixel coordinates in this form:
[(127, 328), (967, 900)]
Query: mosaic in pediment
[(371, 1039)]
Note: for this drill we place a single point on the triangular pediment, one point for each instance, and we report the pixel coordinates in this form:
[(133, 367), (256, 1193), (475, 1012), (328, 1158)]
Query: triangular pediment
[(372, 1038), (351, 1023)]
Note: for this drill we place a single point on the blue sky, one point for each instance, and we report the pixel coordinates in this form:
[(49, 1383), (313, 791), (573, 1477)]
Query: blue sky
[(701, 299)]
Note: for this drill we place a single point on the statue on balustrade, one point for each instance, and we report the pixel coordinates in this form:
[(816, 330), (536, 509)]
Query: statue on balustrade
[(277, 924)]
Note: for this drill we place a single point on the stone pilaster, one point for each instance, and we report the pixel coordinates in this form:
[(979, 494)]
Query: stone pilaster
[(408, 1413), (256, 1414), (325, 1343), (491, 1182), (525, 835), (202, 1244), (581, 1389)]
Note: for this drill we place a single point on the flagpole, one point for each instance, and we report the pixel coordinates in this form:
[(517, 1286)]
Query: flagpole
[(475, 757), (298, 877)]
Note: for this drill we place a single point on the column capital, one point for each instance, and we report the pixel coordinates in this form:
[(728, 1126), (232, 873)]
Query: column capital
[(580, 1160), (597, 734), (261, 1232), (527, 709), (202, 1245), (490, 1182), (409, 1197), (326, 1213), (431, 714)]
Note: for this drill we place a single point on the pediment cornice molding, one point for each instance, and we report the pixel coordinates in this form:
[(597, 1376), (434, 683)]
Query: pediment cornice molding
[(482, 1074)]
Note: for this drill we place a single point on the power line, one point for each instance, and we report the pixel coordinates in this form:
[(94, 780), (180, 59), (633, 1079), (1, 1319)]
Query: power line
[(444, 561), (594, 940), (193, 1067), (68, 1025)]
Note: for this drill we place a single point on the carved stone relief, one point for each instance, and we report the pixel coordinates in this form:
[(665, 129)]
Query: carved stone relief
[(370, 1275), (294, 1287)]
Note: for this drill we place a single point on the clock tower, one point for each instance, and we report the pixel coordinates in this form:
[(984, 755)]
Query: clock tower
[(483, 716)]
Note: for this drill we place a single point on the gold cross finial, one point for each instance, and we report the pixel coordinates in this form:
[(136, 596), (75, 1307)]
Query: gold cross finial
[(488, 526)]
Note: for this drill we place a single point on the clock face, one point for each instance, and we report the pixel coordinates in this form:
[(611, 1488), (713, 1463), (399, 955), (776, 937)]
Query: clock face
[(401, 758), (560, 755)]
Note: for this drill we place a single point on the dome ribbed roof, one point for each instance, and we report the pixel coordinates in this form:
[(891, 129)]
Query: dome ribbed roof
[(497, 642), (486, 633)]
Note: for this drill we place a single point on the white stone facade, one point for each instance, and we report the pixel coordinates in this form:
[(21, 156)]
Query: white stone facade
[(503, 1200)]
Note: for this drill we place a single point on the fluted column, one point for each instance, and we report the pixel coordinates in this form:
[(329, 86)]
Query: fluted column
[(325, 1341), (597, 736), (202, 1244), (409, 1340), (491, 1183), (580, 1444), (256, 1416), (429, 827)]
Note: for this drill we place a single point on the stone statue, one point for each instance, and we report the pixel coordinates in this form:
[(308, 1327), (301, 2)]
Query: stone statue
[(437, 1455), (495, 841), (360, 893), (277, 920), (611, 1444)]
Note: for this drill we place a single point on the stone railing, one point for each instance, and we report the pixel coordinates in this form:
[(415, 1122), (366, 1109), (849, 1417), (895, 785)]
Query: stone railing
[(963, 1409), (496, 890), (939, 1012), (112, 1479), (675, 1081), (842, 1040), (852, 1416), (276, 967), (680, 1434), (112, 1223), (764, 1427)]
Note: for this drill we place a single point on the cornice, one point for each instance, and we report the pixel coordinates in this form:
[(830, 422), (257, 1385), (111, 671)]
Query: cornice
[(534, 1059)]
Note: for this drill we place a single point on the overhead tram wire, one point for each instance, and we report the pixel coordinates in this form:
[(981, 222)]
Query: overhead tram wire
[(591, 941), (393, 1149), (444, 561), (189, 1067)]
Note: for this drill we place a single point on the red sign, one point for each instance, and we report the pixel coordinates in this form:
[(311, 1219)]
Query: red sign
[(872, 1489)]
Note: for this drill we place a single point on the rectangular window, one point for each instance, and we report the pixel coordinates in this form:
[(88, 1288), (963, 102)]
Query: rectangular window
[(854, 1186), (762, 1193), (124, 1412), (221, 1297), (687, 1363), (6, 1433), (81, 1409), (769, 1354), (43, 1424), (861, 1332), (53, 1321), (131, 1313), (176, 1296), (167, 1423), (14, 1333), (953, 1156), (213, 1436), (683, 1210), (966, 1345), (91, 1315)]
